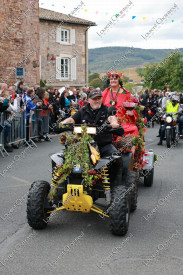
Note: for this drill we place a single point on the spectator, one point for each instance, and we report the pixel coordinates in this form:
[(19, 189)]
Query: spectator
[(144, 98), (65, 103), (35, 88), (3, 87), (56, 93), (39, 97), (78, 91), (90, 89), (20, 88), (160, 97), (46, 109), (56, 106), (74, 98), (84, 90), (83, 101), (67, 88), (5, 107), (51, 95), (181, 98), (29, 106)]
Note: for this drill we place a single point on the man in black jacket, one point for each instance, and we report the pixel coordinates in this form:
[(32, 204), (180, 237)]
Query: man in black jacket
[(95, 113)]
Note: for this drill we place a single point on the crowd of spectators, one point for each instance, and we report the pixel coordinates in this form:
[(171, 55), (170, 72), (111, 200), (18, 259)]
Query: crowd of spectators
[(152, 99), (53, 105)]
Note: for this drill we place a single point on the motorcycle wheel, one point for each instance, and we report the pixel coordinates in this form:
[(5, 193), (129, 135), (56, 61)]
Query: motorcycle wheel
[(119, 211), (168, 138), (36, 213), (148, 178)]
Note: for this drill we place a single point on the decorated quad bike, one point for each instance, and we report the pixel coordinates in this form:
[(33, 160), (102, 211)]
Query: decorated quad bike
[(80, 177)]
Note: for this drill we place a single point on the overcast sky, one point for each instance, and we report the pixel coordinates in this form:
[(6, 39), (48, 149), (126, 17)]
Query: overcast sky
[(123, 30)]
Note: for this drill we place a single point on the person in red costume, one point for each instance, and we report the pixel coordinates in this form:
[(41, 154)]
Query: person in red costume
[(115, 95)]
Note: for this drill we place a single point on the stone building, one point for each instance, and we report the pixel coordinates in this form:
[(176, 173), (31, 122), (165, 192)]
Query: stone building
[(63, 49), (19, 41), (39, 44)]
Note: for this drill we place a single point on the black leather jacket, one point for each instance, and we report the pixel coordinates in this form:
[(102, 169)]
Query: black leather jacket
[(97, 118)]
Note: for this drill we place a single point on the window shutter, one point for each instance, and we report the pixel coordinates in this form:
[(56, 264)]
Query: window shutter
[(58, 68), (58, 34), (73, 69), (72, 36)]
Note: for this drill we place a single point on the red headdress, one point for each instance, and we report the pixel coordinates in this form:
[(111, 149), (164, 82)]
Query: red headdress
[(115, 73)]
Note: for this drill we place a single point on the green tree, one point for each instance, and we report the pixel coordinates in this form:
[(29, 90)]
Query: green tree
[(93, 76), (169, 72), (97, 82), (129, 86), (126, 79), (42, 83)]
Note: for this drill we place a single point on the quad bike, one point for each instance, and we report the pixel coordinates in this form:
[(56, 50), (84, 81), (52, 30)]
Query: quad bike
[(73, 194)]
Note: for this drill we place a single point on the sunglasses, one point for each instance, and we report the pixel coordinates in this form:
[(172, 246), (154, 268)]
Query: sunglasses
[(114, 76)]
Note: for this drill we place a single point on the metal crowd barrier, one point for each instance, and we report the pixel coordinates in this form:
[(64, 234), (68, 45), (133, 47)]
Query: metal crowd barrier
[(38, 124), (17, 131), (21, 129)]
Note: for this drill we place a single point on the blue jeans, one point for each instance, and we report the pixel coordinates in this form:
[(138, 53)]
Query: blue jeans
[(6, 131)]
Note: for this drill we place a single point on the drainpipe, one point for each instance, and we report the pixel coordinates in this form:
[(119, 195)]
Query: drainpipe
[(40, 66), (86, 73)]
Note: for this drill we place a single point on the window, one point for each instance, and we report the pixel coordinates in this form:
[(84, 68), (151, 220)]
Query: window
[(64, 36), (65, 68)]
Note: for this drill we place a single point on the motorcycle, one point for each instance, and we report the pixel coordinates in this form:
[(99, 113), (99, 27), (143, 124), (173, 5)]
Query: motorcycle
[(172, 128)]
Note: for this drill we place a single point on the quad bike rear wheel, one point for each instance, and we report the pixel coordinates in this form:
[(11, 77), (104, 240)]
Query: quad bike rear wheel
[(119, 211), (37, 198), (131, 181)]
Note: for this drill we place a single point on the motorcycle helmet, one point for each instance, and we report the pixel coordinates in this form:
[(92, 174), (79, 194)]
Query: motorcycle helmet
[(175, 99)]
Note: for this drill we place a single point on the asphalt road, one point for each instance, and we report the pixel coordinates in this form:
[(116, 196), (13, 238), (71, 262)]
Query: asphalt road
[(76, 243)]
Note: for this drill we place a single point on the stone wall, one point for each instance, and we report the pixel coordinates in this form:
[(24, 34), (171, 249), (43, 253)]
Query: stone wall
[(19, 40), (50, 49)]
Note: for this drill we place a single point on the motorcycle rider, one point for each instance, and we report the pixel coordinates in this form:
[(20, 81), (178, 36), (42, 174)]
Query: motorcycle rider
[(172, 106), (96, 113)]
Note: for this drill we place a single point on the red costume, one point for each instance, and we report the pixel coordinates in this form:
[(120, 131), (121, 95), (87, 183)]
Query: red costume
[(127, 123)]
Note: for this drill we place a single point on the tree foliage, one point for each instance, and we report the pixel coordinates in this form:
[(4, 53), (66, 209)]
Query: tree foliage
[(97, 82), (93, 76), (169, 72)]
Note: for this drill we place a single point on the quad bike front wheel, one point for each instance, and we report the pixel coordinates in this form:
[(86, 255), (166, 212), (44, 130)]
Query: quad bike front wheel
[(36, 211), (119, 211)]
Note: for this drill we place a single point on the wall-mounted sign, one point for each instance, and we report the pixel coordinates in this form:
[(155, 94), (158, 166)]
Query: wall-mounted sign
[(19, 73)]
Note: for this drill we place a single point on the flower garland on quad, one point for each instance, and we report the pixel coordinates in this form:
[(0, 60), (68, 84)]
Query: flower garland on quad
[(138, 140), (76, 153)]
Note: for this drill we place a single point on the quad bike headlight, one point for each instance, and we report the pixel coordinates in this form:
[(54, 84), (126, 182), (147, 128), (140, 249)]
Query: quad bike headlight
[(77, 169), (169, 119)]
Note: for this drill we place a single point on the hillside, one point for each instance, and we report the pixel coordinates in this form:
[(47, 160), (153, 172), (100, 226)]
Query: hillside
[(102, 59)]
